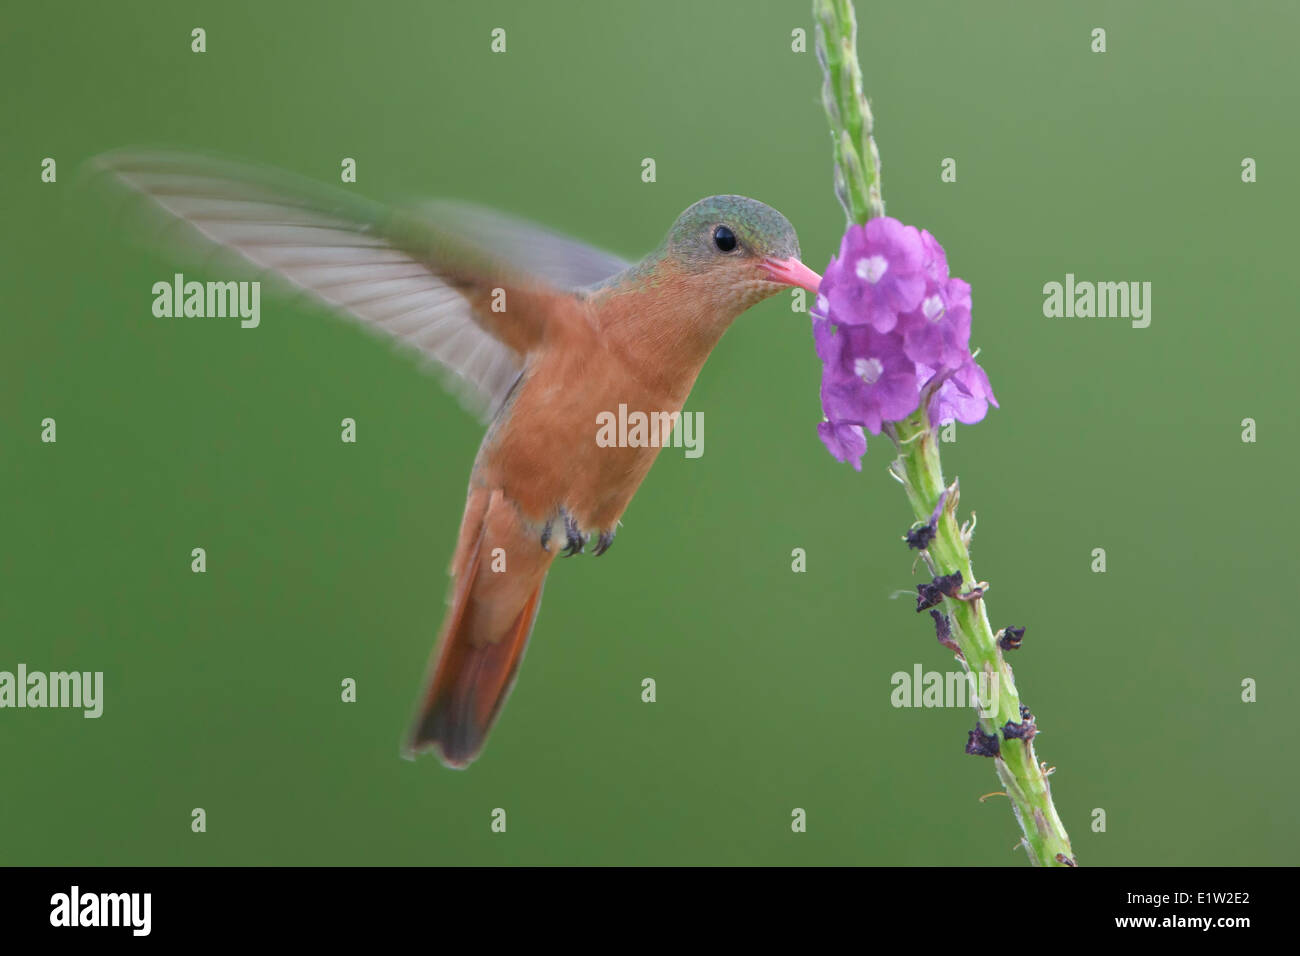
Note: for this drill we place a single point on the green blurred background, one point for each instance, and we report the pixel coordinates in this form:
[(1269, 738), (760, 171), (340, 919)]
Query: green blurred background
[(328, 560)]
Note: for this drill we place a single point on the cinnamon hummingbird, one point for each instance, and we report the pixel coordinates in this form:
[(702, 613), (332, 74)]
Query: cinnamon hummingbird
[(538, 332)]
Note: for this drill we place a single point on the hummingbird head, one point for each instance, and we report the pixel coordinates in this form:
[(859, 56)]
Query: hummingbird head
[(743, 249), (722, 255)]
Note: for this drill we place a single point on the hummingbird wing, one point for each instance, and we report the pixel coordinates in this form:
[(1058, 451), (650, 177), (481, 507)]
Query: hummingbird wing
[(561, 260), (469, 288)]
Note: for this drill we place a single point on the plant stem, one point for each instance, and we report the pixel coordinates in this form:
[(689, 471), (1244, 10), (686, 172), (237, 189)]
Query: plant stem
[(857, 185), (857, 161), (1025, 780)]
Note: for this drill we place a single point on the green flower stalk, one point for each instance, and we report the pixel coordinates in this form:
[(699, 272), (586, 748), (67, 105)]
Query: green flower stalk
[(857, 161), (892, 329), (1007, 733)]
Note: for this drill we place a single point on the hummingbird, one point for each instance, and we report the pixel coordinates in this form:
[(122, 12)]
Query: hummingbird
[(537, 332)]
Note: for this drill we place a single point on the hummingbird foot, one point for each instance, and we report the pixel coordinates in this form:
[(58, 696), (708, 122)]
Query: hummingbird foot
[(546, 536), (575, 540), (602, 543)]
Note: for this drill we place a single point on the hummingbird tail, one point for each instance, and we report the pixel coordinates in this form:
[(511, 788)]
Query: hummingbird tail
[(498, 590)]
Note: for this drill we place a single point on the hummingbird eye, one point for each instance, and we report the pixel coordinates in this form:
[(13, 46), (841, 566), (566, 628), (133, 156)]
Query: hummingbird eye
[(724, 239)]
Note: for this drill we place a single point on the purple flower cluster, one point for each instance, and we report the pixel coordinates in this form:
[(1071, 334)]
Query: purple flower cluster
[(892, 328)]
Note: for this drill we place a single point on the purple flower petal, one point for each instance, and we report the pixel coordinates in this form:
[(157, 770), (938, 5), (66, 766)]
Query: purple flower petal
[(845, 442), (871, 380), (964, 396), (829, 345), (878, 274), (935, 261), (938, 333), (889, 325)]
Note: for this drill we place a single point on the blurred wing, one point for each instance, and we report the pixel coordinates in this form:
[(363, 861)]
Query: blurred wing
[(424, 277), (561, 260)]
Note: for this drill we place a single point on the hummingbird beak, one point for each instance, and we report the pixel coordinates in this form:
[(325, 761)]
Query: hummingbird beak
[(791, 272)]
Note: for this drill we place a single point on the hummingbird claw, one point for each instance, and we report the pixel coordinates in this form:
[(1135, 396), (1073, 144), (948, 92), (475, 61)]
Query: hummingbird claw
[(602, 543), (575, 540)]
